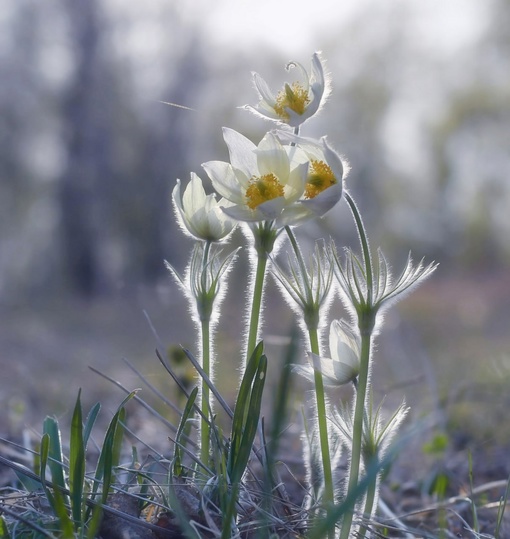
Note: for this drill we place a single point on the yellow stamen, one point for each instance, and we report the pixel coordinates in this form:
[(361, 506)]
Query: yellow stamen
[(319, 179), (294, 97), (263, 189)]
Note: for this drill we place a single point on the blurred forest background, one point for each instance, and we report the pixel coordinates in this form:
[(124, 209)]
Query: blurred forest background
[(89, 155)]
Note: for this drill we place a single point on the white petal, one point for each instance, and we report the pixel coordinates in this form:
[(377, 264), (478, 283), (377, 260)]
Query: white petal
[(272, 158), (296, 182), (324, 201), (272, 208), (333, 160), (243, 213), (334, 373), (241, 151), (265, 93), (194, 196), (224, 180), (293, 215), (343, 344)]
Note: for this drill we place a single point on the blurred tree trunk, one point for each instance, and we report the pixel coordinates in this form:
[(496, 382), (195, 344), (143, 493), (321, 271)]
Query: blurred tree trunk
[(88, 140)]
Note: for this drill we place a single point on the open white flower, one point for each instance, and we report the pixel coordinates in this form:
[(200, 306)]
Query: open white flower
[(325, 180), (344, 364), (199, 214), (261, 182), (298, 100)]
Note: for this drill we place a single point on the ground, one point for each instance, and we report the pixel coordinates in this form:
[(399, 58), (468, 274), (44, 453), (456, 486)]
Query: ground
[(445, 348)]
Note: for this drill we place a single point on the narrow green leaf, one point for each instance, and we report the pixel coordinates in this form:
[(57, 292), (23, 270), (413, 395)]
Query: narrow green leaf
[(56, 458), (242, 406), (251, 422), (77, 463), (43, 460), (89, 423), (54, 498), (4, 531), (187, 412), (107, 457)]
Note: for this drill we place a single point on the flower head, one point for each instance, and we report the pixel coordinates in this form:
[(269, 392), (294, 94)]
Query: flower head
[(377, 433), (325, 180), (368, 297), (199, 214), (307, 289), (204, 281), (344, 364), (261, 182), (298, 100)]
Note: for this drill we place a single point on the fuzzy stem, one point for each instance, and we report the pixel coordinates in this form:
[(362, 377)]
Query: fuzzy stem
[(319, 386), (322, 420), (369, 504), (364, 245), (256, 303), (357, 432), (205, 321), (205, 405), (366, 322)]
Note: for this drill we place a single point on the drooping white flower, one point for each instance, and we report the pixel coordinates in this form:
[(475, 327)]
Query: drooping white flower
[(298, 100), (199, 214), (261, 182), (343, 365), (325, 180)]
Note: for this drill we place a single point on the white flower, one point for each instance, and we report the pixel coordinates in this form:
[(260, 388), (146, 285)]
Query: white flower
[(344, 364), (298, 100), (199, 214), (325, 180), (261, 182)]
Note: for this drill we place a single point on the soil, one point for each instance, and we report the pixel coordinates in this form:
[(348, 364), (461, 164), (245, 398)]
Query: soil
[(446, 349)]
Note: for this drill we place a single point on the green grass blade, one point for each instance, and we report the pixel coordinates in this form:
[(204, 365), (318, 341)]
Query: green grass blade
[(501, 511), (43, 460), (242, 407), (55, 499), (110, 451), (186, 414), (251, 422), (55, 455), (4, 531), (77, 463), (89, 423)]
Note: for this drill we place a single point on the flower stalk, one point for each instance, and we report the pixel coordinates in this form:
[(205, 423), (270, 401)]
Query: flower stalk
[(264, 238), (311, 302)]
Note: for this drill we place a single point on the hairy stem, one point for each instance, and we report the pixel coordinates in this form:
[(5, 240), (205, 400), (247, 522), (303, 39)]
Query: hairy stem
[(366, 321), (256, 304), (205, 405), (322, 421)]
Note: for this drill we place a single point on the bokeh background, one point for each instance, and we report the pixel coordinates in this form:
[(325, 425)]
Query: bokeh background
[(89, 154)]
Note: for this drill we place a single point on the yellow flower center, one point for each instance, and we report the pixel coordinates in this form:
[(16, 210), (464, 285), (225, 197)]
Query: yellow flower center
[(294, 97), (263, 189), (319, 179)]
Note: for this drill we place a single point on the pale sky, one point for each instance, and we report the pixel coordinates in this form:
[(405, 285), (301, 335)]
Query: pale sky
[(293, 26)]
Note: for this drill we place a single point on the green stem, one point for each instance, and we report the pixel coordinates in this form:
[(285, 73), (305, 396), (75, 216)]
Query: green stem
[(328, 498), (205, 405), (357, 433), (256, 303), (364, 245), (319, 388), (366, 321), (369, 504), (205, 320)]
